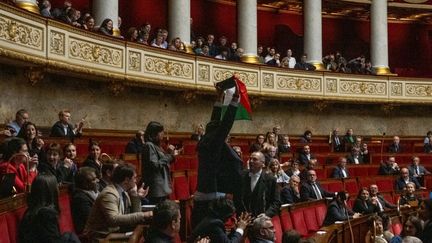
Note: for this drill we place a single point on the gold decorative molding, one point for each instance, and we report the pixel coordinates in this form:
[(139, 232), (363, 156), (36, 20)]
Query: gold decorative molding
[(418, 90), (296, 83), (396, 88), (363, 87), (203, 73), (321, 105), (249, 78), (20, 33), (169, 67), (188, 96), (57, 43), (331, 85), (388, 108), (116, 88), (95, 53), (268, 80), (134, 61), (32, 7)]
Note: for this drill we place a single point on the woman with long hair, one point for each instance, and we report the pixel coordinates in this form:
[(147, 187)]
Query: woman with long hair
[(156, 163), (106, 27), (412, 227), (30, 134), (276, 171), (40, 221), (363, 203)]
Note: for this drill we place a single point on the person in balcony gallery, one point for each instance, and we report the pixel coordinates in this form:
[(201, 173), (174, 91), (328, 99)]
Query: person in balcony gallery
[(106, 27)]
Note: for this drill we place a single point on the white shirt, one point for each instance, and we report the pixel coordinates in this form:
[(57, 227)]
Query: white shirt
[(343, 172), (291, 62), (254, 179)]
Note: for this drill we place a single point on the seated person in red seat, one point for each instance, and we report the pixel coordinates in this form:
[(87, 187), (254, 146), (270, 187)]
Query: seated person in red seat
[(305, 155), (84, 196), (107, 173), (270, 153), (409, 197), (52, 165), (418, 171), (428, 147), (313, 163), (404, 179), (291, 193), (258, 145), (259, 191), (136, 145), (165, 224), (31, 135), (284, 145), (349, 139), (306, 137), (69, 160), (276, 171), (40, 221), (294, 168), (363, 203), (390, 167), (395, 146), (63, 128), (355, 157), (15, 158), (198, 133), (381, 203), (262, 230), (118, 206), (312, 190), (93, 158), (338, 210), (341, 171), (213, 225)]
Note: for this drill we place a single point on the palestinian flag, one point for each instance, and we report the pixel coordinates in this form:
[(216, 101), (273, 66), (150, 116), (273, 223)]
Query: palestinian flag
[(230, 85)]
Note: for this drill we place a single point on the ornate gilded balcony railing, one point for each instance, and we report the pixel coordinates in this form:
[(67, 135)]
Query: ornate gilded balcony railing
[(60, 48)]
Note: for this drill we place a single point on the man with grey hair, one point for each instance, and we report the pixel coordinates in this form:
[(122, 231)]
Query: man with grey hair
[(291, 194), (259, 194), (262, 230)]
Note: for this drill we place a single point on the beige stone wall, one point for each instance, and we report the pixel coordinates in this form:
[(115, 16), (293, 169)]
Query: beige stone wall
[(135, 107)]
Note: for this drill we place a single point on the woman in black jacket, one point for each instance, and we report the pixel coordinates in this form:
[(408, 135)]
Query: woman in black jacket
[(40, 221), (363, 204)]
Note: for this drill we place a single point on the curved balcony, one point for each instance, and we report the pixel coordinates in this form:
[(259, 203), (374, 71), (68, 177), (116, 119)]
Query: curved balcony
[(35, 41)]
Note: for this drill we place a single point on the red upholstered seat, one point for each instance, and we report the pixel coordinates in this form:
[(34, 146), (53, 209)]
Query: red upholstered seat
[(285, 218), (321, 173), (385, 183), (65, 219), (194, 163), (4, 235), (333, 185), (351, 186), (182, 162), (428, 181), (13, 219), (311, 219), (358, 171), (320, 212), (388, 196), (278, 228), (193, 180), (299, 222), (181, 185), (189, 147), (366, 181)]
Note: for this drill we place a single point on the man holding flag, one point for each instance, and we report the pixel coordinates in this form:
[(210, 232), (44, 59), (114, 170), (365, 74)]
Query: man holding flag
[(220, 167)]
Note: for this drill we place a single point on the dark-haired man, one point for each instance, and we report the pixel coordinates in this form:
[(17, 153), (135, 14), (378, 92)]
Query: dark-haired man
[(165, 224), (63, 128), (118, 206)]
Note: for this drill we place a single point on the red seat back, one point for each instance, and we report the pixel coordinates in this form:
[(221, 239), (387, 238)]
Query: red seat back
[(13, 219), (385, 183), (311, 219), (4, 236), (278, 228), (299, 222), (320, 212), (180, 185), (65, 219), (351, 186), (285, 218)]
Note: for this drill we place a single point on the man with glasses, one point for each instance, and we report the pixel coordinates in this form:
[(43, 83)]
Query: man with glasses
[(262, 230), (312, 190)]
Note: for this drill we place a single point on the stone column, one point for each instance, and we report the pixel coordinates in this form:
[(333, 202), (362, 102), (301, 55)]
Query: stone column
[(313, 32), (179, 21), (247, 29), (106, 9), (29, 5), (379, 37)]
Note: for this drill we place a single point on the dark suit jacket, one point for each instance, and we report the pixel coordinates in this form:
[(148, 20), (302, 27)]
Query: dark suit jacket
[(428, 148), (307, 192), (387, 170), (303, 158), (81, 205), (215, 230), (58, 131), (361, 207), (42, 227), (337, 147), (336, 212), (288, 196), (350, 159), (216, 158), (135, 146), (384, 203), (265, 197), (426, 235), (283, 149), (400, 183), (89, 162), (337, 172), (393, 148), (422, 169)]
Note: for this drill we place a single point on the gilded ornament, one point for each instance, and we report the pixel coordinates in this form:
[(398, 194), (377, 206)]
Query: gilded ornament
[(365, 88), (57, 43), (21, 33), (320, 105), (299, 83), (188, 96), (396, 89), (116, 88), (34, 74), (134, 61), (203, 73), (168, 67), (249, 78), (331, 85), (418, 90), (90, 52), (268, 80)]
